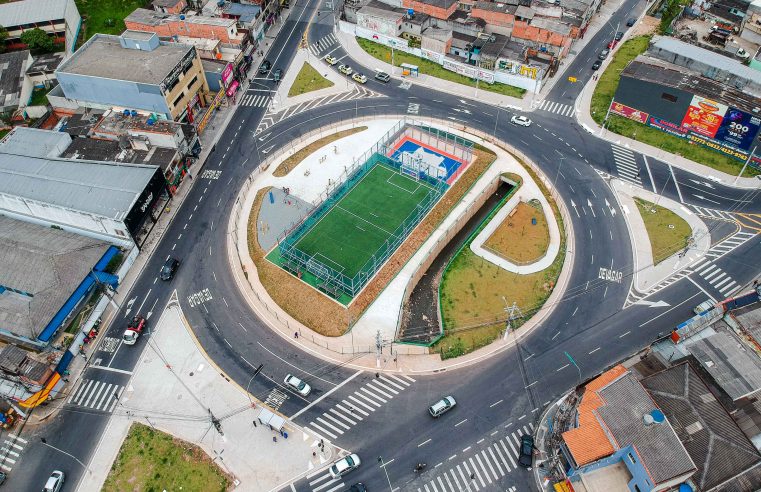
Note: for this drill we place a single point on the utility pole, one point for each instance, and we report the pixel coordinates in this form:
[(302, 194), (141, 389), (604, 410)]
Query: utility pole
[(750, 157), (513, 312), (215, 422), (45, 442), (378, 348)]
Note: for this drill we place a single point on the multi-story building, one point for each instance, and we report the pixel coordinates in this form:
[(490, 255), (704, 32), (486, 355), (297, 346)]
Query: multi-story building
[(135, 71), (169, 6), (191, 26), (59, 18)]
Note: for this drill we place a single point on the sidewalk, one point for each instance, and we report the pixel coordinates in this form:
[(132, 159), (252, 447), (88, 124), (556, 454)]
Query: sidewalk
[(583, 103), (647, 275), (174, 367)]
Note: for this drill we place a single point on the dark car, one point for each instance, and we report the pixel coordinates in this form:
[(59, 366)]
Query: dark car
[(169, 268), (603, 54), (358, 487), (631, 22), (278, 75), (527, 451), (265, 67), (619, 36), (596, 64)]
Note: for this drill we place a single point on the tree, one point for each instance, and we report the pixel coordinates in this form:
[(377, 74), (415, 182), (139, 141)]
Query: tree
[(37, 40), (3, 37)]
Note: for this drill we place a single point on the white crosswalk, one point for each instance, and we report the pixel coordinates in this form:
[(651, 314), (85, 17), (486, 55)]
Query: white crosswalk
[(483, 469), (712, 213), (323, 44), (712, 273), (626, 164), (359, 405), (322, 481), (255, 100), (97, 395), (10, 451), (557, 108), (275, 399)]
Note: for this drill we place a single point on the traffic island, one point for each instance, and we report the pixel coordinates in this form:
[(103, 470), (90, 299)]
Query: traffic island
[(307, 80), (668, 233)]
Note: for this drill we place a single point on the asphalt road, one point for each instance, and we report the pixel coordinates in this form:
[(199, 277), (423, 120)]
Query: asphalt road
[(498, 399)]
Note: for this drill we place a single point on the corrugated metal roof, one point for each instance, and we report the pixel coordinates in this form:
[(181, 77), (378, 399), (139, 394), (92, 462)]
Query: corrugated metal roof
[(34, 142), (29, 11), (100, 188)]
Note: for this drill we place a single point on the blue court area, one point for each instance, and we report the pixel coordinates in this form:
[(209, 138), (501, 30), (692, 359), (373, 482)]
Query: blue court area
[(449, 164)]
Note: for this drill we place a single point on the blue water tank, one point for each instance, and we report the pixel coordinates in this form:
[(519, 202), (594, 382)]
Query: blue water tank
[(658, 416), (410, 12), (134, 113), (182, 16), (126, 112), (685, 487)]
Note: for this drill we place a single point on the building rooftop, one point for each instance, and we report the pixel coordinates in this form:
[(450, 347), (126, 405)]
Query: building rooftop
[(95, 149), (45, 63), (553, 25), (45, 262), (99, 188), (245, 13), (381, 10), (33, 142), (117, 123), (31, 11), (165, 3), (713, 440), (496, 7), (444, 4), (12, 70), (524, 12), (154, 18), (103, 56), (81, 123), (659, 71)]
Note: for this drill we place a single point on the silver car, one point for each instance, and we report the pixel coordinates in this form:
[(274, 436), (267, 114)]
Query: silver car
[(55, 482), (442, 406), (344, 466), (297, 385)]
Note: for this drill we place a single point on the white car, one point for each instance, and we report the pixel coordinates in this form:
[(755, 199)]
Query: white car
[(442, 406), (330, 60), (55, 482), (298, 385), (344, 466), (358, 77), (520, 120), (345, 69)]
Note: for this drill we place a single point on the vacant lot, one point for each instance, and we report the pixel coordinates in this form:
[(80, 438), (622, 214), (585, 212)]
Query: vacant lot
[(428, 67), (308, 80), (106, 16), (151, 460), (518, 239), (668, 233)]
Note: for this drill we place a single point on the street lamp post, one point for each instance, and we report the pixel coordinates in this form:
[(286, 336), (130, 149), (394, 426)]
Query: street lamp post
[(45, 442), (383, 465), (555, 184), (496, 121)]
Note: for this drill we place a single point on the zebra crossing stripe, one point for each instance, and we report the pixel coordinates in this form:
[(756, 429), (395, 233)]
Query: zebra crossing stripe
[(105, 397), (351, 397), (462, 475), (488, 463), (391, 383), (727, 279), (374, 384), (714, 273), (353, 411), (502, 457), (118, 394), (323, 431), (496, 461), (477, 472), (338, 422), (454, 477), (95, 388), (470, 473), (373, 394), (710, 265)]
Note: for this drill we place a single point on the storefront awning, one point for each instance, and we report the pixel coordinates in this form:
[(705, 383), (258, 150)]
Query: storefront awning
[(233, 87)]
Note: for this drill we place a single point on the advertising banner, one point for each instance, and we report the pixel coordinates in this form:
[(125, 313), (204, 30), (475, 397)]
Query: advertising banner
[(738, 129), (704, 116), (227, 75), (468, 70), (666, 126), (627, 112)]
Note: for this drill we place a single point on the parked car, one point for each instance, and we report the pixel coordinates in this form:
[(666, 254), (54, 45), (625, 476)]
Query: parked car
[(619, 36), (631, 22), (298, 385), (612, 44), (345, 69), (527, 451), (169, 268), (382, 76), (603, 54), (265, 67), (345, 465), (134, 330), (358, 487), (278, 75), (358, 77), (55, 482), (442, 406), (597, 64), (330, 60), (520, 120)]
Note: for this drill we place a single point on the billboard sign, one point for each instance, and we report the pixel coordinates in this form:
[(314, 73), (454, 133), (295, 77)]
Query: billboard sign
[(704, 116), (628, 112), (227, 74), (468, 70), (738, 129), (666, 126)]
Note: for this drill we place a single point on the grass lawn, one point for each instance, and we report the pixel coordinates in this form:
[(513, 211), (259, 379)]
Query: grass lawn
[(106, 16), (428, 67), (603, 95), (308, 80), (517, 239), (472, 290), (356, 228), (150, 460), (285, 167), (665, 240), (39, 97)]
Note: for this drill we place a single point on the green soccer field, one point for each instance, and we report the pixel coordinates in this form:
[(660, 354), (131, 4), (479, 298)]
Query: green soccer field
[(358, 225)]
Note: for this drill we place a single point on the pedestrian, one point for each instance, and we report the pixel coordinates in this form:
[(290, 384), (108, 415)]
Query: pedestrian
[(296, 335), (254, 422), (274, 438), (472, 476), (190, 176), (314, 454)]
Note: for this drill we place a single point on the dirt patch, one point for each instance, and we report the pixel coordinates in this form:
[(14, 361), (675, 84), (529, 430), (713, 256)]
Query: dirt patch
[(320, 313), (523, 237), (287, 165)]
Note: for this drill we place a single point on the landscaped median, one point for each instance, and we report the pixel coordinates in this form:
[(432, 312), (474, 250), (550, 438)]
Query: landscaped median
[(604, 93), (308, 80), (428, 67), (668, 233)]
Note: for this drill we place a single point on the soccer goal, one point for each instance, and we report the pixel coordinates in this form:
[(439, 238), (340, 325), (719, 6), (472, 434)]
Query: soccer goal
[(410, 165)]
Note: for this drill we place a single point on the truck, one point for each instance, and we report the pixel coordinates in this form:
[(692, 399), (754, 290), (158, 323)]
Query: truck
[(134, 328)]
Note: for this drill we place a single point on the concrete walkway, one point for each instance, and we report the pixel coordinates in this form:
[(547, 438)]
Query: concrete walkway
[(584, 118), (174, 378), (528, 191), (357, 347), (647, 275)]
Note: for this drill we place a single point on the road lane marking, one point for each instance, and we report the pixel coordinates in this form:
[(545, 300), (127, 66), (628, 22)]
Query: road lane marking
[(325, 395), (595, 350), (461, 422), (495, 403), (424, 443)]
